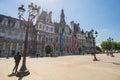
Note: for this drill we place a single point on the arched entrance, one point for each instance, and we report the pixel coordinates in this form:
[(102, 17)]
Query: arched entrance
[(48, 50)]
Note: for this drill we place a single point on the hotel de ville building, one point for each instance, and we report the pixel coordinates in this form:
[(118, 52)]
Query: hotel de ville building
[(45, 37)]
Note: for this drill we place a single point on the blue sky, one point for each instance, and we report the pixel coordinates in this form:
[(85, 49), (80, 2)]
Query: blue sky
[(100, 15)]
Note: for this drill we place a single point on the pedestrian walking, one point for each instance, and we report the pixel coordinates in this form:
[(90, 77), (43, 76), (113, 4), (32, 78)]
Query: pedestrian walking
[(17, 59)]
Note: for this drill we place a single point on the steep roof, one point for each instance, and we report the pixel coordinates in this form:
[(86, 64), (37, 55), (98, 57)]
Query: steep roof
[(43, 15)]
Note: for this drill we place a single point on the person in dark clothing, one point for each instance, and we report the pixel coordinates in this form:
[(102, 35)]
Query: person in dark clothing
[(17, 59)]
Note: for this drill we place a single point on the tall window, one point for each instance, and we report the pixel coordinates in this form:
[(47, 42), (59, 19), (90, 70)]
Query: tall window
[(43, 27), (7, 32), (21, 36), (51, 29), (22, 26), (43, 38), (11, 24), (51, 39), (17, 24), (46, 39), (15, 35), (39, 37), (40, 26), (5, 22), (47, 28), (1, 33), (56, 39)]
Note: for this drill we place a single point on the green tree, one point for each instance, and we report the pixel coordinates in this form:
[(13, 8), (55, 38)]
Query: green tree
[(114, 45), (118, 46), (104, 45), (98, 49)]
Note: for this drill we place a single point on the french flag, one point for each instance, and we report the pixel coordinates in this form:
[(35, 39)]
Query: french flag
[(61, 43)]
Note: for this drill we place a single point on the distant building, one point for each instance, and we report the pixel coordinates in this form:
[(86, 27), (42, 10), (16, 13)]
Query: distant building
[(61, 38), (12, 35), (45, 37)]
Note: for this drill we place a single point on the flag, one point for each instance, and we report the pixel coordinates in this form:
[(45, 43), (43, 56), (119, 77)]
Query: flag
[(73, 44), (61, 43)]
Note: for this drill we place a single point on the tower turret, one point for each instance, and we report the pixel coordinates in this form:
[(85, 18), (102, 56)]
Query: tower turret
[(62, 17)]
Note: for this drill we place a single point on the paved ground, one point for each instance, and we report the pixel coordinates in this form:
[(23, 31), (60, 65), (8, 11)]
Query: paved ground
[(75, 67)]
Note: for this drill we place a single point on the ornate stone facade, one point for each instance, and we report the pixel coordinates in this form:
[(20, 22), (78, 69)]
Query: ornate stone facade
[(12, 34), (45, 37), (60, 37)]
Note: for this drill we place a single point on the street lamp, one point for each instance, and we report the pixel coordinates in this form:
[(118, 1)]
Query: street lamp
[(94, 37), (110, 40), (33, 11)]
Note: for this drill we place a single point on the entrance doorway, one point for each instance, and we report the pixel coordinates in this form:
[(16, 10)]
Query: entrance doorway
[(48, 50)]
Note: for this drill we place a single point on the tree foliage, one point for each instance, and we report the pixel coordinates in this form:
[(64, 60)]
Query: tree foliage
[(118, 45), (98, 49), (106, 45)]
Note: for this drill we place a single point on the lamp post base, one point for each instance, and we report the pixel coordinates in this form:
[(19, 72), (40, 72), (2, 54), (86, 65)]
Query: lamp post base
[(95, 59), (22, 73)]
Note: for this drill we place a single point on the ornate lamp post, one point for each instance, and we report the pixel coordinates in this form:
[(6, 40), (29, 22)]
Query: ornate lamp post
[(94, 44), (110, 40), (33, 11)]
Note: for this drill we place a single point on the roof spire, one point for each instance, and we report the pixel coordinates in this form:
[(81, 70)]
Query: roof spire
[(62, 17)]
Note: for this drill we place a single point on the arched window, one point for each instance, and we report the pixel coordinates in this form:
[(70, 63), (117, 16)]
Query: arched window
[(39, 25)]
